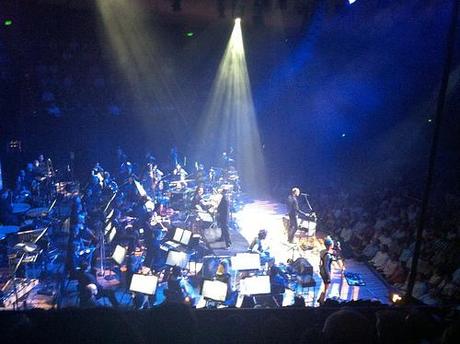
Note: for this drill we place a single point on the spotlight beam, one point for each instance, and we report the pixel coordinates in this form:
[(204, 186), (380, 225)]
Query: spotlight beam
[(231, 114)]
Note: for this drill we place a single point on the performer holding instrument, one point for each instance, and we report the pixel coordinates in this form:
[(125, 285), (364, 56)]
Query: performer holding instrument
[(261, 246)]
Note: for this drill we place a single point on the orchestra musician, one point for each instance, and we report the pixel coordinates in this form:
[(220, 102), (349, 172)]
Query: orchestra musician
[(176, 291), (200, 174), (223, 275), (152, 177), (198, 202), (90, 290), (261, 246), (179, 176)]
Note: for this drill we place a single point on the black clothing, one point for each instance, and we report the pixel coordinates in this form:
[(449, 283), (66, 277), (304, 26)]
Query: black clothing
[(174, 293), (222, 219), (86, 298), (326, 259), (197, 201), (293, 210)]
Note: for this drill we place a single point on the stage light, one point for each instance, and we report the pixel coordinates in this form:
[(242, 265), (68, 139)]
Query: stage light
[(189, 34), (140, 59), (8, 22), (343, 134), (430, 120), (230, 117), (395, 298), (351, 1)]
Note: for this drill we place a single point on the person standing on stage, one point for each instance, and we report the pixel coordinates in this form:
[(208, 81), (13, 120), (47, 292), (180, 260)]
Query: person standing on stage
[(222, 218), (293, 210), (327, 256)]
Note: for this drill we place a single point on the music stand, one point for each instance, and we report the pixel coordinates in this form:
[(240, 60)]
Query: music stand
[(176, 258), (246, 261), (182, 236), (119, 254), (255, 285), (214, 290), (144, 284)]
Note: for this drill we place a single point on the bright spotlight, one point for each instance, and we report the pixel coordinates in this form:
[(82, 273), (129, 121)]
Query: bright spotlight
[(351, 1), (395, 298), (231, 114)]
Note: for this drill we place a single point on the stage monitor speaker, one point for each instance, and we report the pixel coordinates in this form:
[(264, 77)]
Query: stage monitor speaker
[(302, 266)]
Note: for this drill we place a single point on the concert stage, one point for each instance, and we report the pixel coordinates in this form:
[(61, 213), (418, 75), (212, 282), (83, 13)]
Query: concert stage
[(269, 215), (264, 214)]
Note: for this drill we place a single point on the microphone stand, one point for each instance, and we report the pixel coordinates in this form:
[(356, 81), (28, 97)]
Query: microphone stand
[(306, 200)]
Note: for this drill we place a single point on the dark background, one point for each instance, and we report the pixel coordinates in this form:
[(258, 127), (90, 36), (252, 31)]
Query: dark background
[(343, 93)]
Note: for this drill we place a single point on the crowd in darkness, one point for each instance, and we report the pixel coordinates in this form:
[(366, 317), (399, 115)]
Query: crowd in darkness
[(379, 228), (71, 79), (176, 323)]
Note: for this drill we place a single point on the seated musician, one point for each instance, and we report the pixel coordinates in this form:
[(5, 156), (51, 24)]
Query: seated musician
[(223, 275), (198, 203), (176, 291), (200, 174), (179, 173), (90, 290), (261, 246)]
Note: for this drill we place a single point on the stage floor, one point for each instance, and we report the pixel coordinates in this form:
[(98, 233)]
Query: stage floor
[(262, 214)]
